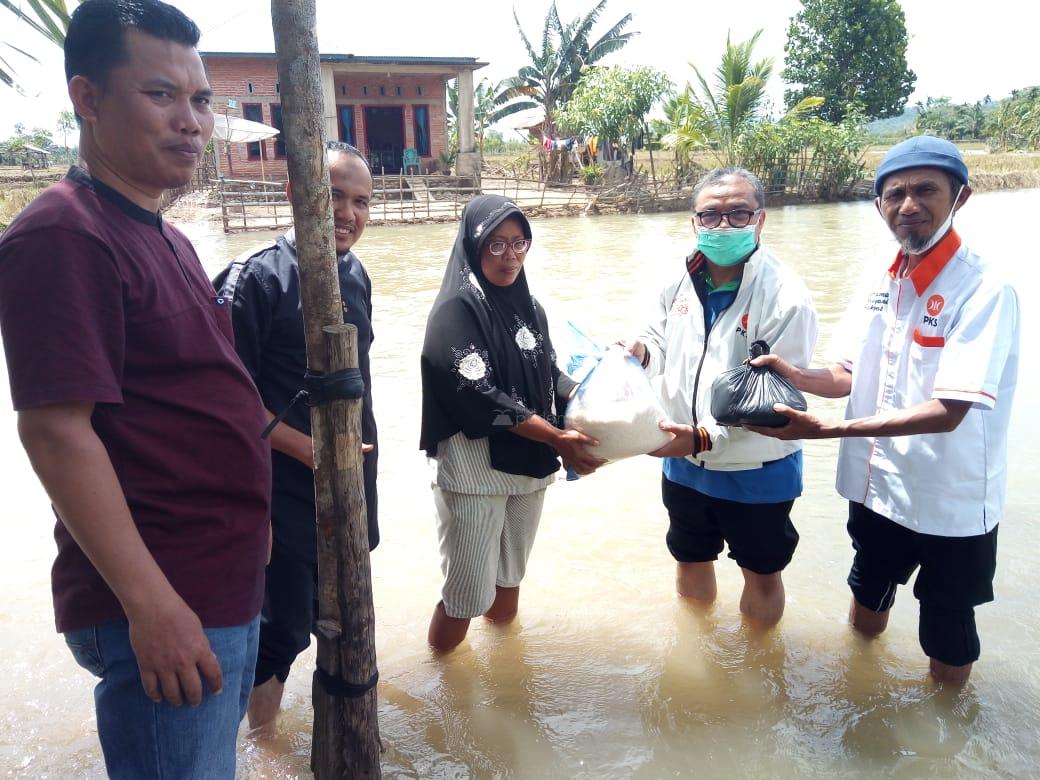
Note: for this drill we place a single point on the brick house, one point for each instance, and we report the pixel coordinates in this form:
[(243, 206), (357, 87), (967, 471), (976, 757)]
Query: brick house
[(382, 105)]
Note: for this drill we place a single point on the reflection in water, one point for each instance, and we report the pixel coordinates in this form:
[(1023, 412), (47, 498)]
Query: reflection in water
[(606, 673)]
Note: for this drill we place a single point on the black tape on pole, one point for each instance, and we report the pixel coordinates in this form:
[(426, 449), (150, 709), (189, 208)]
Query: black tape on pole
[(337, 686), (318, 389)]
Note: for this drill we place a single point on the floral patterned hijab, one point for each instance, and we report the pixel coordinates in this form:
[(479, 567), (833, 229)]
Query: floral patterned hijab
[(487, 363)]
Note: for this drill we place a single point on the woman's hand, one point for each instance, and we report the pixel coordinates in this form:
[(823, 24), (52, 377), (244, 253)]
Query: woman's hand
[(572, 446)]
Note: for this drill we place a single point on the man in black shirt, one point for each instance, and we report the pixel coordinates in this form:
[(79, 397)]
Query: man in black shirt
[(264, 290)]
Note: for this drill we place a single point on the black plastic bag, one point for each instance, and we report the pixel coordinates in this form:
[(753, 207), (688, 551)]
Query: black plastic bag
[(745, 395)]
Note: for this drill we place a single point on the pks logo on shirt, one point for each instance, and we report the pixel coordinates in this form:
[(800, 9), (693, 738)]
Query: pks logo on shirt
[(934, 307), (742, 327)]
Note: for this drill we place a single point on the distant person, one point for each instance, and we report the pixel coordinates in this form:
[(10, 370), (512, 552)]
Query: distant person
[(135, 410), (491, 400), (929, 361), (263, 288), (722, 485)]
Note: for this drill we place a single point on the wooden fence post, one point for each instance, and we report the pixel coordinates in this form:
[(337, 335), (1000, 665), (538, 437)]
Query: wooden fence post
[(346, 732)]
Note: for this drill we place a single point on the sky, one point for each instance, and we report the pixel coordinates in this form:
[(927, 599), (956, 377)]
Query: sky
[(962, 55)]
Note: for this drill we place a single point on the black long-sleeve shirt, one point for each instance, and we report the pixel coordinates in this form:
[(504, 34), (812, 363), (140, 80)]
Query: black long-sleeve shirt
[(266, 312)]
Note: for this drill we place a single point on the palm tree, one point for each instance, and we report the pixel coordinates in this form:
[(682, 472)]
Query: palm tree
[(555, 69), (716, 119), (65, 125), (50, 18), (687, 129), (737, 100)]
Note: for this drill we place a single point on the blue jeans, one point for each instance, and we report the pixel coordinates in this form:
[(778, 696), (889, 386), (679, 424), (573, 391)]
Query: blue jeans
[(141, 739)]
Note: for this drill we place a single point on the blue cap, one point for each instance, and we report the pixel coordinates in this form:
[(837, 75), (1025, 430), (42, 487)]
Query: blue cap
[(921, 151)]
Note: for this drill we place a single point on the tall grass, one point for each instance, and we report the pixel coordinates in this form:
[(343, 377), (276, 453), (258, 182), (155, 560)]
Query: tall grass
[(12, 202)]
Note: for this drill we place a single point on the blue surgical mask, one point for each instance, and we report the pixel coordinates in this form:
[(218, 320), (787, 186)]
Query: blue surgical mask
[(726, 246)]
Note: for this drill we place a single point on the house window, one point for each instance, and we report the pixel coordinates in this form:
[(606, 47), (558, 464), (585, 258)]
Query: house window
[(418, 90), (279, 140), (254, 112), (346, 125), (398, 91), (249, 87), (422, 130), (343, 89), (364, 91), (382, 90)]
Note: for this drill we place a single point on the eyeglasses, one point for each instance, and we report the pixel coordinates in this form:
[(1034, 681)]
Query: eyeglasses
[(498, 247), (737, 218)]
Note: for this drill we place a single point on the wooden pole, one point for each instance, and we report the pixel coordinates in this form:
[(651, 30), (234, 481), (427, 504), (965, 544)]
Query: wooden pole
[(346, 731)]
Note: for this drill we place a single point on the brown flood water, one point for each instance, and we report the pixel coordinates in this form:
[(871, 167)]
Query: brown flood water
[(606, 673)]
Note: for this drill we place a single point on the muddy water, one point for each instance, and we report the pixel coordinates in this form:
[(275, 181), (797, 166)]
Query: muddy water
[(606, 673)]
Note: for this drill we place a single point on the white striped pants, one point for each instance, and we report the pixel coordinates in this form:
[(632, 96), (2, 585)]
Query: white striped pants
[(485, 541)]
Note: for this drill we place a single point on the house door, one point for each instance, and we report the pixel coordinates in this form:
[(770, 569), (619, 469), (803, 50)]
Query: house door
[(384, 136)]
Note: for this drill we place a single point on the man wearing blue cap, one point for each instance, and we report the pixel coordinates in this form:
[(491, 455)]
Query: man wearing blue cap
[(929, 363)]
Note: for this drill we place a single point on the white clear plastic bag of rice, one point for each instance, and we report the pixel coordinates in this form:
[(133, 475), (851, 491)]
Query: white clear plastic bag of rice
[(616, 405)]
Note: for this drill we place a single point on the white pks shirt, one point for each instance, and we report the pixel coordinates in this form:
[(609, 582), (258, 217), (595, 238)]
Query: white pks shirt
[(948, 330)]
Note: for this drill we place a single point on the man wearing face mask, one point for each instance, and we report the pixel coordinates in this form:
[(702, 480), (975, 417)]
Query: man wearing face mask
[(727, 486), (928, 356)]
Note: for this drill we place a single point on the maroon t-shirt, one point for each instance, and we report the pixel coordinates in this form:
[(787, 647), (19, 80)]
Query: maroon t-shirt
[(102, 301)]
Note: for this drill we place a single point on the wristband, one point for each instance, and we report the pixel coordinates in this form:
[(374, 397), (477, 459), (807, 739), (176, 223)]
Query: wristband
[(701, 441)]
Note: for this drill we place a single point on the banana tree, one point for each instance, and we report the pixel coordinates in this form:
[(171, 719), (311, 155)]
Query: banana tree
[(555, 68)]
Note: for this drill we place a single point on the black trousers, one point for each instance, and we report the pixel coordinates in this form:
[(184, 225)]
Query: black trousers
[(287, 618)]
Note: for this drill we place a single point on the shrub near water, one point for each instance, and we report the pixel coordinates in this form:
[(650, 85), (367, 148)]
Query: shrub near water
[(806, 157)]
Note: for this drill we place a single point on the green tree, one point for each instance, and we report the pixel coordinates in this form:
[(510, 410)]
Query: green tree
[(565, 49), (41, 138), (50, 18), (1015, 123), (11, 149), (804, 156), (850, 52), (613, 103), (956, 122), (683, 130), (716, 116), (496, 143)]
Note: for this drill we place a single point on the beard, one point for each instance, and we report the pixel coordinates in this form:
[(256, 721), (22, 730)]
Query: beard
[(914, 244)]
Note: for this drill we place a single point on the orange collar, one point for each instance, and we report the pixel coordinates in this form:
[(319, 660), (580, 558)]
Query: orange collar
[(934, 260)]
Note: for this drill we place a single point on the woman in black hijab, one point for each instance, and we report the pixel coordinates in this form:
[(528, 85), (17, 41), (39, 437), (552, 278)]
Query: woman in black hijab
[(492, 395)]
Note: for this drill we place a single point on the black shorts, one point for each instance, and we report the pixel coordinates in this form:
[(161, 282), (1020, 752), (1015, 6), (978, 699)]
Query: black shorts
[(761, 537), (956, 576)]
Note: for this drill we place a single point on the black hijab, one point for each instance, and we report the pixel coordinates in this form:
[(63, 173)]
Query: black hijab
[(487, 362)]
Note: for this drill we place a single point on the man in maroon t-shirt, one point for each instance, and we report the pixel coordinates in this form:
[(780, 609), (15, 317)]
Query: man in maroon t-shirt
[(134, 409)]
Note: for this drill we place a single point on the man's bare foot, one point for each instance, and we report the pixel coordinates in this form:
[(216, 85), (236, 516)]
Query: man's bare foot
[(264, 702)]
